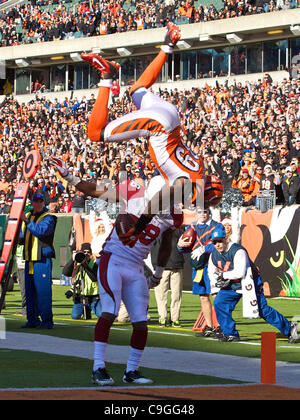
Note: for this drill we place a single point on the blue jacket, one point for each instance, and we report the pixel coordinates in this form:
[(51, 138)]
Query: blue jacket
[(44, 231)]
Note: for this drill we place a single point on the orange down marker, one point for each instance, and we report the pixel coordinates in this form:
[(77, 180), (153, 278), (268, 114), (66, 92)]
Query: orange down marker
[(268, 358)]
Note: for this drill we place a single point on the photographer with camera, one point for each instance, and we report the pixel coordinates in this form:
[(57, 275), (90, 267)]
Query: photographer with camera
[(85, 291)]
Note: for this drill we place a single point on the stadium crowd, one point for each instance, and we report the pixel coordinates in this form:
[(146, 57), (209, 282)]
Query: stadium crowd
[(33, 22), (248, 134)]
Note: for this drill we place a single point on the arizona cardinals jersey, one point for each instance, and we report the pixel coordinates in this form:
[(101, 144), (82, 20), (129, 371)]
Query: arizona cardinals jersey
[(134, 195)]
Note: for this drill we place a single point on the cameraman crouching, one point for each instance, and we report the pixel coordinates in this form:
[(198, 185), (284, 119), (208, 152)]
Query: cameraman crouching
[(85, 291)]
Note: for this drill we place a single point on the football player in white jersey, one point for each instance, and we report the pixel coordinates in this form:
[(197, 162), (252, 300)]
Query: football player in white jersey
[(121, 272)]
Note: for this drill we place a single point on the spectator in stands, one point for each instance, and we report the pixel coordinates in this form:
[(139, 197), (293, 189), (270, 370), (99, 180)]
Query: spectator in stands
[(78, 201), (67, 204), (291, 187), (246, 185), (27, 23)]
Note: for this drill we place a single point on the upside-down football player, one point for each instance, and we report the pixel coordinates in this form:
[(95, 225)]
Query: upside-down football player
[(154, 119), (121, 272)]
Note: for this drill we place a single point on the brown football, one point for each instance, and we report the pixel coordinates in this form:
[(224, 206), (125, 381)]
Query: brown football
[(124, 222), (189, 236)]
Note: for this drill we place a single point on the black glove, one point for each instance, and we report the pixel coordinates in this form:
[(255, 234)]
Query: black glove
[(69, 293), (221, 282)]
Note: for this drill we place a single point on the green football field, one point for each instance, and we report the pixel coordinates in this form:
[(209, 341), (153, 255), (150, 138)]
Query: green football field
[(32, 369)]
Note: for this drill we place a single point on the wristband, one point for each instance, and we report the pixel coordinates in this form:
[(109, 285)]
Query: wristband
[(142, 223), (72, 179), (158, 272), (167, 49), (105, 83)]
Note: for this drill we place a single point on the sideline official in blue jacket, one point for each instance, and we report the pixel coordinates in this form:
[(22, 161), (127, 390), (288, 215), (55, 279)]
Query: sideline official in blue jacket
[(37, 237)]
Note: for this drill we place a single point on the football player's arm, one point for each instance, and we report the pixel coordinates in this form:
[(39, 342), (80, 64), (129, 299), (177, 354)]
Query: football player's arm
[(91, 189), (88, 188), (164, 199)]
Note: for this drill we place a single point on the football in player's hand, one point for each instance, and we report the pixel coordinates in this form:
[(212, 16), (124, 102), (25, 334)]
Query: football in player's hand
[(124, 222), (187, 238)]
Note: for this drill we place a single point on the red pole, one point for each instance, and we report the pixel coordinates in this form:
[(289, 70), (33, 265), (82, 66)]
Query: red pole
[(268, 357)]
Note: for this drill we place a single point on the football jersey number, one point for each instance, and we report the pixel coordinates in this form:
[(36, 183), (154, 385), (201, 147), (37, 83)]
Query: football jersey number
[(149, 234), (186, 160)]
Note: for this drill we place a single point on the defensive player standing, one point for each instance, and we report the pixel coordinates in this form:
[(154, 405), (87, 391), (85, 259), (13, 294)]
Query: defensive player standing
[(121, 275), (154, 119)]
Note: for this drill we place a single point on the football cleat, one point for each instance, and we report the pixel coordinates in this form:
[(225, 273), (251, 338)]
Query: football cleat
[(101, 377), (173, 35), (108, 69), (294, 333), (134, 377), (229, 338)]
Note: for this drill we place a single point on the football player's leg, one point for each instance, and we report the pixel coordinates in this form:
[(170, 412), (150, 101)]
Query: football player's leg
[(136, 299), (99, 115), (109, 70), (151, 73), (110, 297)]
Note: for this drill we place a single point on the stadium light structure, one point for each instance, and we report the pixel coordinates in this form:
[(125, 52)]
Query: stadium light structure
[(96, 50), (21, 62), (76, 57), (183, 45), (210, 38), (205, 38), (124, 52), (36, 61), (295, 29), (234, 38)]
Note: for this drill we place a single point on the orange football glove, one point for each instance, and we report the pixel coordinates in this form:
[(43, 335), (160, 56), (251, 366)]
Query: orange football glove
[(130, 238)]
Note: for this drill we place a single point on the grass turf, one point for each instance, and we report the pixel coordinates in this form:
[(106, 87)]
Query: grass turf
[(177, 338), (26, 369)]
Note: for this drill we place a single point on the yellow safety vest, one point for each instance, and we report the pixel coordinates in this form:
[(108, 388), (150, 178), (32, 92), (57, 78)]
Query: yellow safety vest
[(33, 245)]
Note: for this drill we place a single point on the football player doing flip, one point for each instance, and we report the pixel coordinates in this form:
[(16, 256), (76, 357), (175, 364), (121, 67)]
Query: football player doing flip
[(158, 121)]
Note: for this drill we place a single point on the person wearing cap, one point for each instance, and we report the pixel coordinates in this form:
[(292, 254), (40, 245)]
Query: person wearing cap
[(37, 236), (67, 204), (291, 187), (85, 289), (233, 275)]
